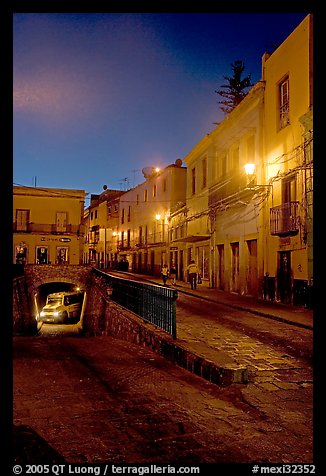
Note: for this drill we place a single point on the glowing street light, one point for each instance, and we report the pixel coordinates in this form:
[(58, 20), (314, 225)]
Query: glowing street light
[(250, 169)]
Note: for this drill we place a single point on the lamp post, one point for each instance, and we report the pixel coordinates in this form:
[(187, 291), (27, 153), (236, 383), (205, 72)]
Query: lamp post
[(250, 169)]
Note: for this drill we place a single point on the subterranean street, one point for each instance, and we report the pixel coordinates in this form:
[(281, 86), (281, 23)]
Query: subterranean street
[(100, 399)]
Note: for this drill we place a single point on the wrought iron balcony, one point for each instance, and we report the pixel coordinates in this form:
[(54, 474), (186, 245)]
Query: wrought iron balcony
[(285, 219)]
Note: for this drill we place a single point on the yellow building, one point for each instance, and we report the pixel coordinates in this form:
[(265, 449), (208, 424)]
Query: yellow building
[(248, 214), (144, 219), (194, 219), (102, 219), (223, 224), (48, 225), (288, 129)]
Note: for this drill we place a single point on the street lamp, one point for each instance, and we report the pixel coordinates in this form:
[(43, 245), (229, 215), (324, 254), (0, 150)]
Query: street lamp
[(250, 169)]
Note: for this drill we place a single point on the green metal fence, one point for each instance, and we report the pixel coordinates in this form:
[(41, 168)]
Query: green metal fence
[(154, 303)]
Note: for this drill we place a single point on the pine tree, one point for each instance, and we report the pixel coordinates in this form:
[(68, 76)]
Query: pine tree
[(236, 88)]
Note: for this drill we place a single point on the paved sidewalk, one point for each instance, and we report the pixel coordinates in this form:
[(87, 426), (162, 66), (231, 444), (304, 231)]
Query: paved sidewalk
[(285, 313), (219, 349)]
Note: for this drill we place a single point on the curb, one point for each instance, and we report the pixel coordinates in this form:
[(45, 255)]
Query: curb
[(237, 306)]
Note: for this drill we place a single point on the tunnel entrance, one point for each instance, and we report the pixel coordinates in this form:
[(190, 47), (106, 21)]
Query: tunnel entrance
[(56, 303)]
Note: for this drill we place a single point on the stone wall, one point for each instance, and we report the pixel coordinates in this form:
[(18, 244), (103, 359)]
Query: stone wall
[(105, 317), (36, 275), (102, 316), (23, 321)]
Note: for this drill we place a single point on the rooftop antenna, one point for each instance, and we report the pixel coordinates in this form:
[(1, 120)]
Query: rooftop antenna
[(133, 176), (126, 181), (34, 180)]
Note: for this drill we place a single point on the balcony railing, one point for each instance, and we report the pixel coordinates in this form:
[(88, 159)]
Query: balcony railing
[(49, 228), (285, 219)]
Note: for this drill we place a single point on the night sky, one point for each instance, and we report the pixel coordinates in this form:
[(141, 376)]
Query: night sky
[(98, 97)]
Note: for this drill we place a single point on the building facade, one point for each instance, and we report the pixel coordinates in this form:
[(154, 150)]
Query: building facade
[(48, 225), (242, 208), (288, 139), (235, 197), (144, 218), (102, 218)]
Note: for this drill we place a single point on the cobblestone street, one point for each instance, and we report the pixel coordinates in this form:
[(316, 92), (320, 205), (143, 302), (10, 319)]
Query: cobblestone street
[(100, 399)]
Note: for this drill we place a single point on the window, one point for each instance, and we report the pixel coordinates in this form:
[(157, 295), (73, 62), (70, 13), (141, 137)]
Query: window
[(22, 219), (95, 214), (164, 185), (250, 150), (122, 215), (289, 192), (284, 103), (204, 173), (61, 222), (154, 190), (145, 195), (223, 166), (193, 181), (234, 159), (137, 199), (129, 213)]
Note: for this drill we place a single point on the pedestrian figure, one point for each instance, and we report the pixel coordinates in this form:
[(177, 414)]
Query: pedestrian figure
[(164, 273), (173, 274), (192, 273)]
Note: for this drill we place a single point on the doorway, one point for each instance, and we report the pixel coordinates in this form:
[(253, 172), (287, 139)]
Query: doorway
[(284, 281), (252, 277), (235, 267), (220, 249), (41, 255)]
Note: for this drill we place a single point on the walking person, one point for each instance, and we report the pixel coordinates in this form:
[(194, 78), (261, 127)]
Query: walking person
[(192, 273), (164, 273), (173, 274)]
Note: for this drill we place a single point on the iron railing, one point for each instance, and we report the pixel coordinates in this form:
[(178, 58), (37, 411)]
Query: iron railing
[(285, 219), (156, 304)]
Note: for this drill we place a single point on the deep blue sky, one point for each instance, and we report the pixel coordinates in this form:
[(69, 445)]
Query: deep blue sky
[(97, 97)]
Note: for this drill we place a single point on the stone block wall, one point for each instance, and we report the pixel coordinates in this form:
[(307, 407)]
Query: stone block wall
[(23, 321), (105, 317)]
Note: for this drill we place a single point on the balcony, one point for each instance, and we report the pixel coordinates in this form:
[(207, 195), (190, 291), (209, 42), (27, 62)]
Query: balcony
[(285, 219), (49, 228)]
